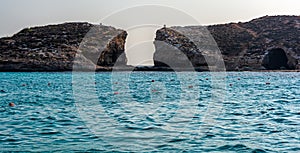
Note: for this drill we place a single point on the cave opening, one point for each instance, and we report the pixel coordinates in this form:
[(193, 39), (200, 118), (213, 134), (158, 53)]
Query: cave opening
[(275, 59)]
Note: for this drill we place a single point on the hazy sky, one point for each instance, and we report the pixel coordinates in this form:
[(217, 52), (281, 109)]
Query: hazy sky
[(17, 14)]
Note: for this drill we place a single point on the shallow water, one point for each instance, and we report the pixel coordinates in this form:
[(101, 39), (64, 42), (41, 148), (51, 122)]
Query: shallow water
[(150, 112)]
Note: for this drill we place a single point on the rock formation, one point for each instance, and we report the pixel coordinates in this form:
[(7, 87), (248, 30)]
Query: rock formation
[(54, 47), (270, 42), (173, 49), (266, 43), (114, 51)]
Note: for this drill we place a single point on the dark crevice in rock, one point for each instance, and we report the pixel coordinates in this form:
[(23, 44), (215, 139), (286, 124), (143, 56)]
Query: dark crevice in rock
[(275, 59)]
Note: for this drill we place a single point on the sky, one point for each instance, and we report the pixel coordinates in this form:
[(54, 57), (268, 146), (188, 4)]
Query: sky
[(18, 14)]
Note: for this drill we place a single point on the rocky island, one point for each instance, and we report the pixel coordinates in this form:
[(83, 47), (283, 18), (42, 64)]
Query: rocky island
[(54, 47), (266, 43)]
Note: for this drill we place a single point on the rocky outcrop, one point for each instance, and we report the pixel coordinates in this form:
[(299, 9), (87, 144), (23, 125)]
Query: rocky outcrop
[(254, 45), (173, 49), (266, 43), (114, 51), (54, 47)]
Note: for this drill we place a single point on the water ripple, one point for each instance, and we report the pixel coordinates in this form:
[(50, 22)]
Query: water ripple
[(169, 114)]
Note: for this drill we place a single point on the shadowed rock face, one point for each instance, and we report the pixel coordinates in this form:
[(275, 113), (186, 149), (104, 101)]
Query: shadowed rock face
[(114, 51), (173, 49), (244, 45), (54, 47), (275, 59)]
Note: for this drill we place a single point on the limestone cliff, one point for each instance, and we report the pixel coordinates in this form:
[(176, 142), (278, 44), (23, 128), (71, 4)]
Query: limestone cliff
[(184, 52), (54, 47), (266, 43), (270, 42), (114, 51)]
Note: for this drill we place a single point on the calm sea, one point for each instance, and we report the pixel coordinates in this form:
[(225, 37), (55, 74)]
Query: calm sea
[(150, 112)]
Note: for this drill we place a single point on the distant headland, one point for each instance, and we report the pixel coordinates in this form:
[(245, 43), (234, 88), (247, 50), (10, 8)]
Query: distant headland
[(263, 44)]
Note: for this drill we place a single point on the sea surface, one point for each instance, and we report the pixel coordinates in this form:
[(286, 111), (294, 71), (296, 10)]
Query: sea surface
[(150, 112)]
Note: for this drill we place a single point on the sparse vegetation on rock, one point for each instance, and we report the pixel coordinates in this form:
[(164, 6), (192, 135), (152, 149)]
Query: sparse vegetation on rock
[(244, 45), (54, 47)]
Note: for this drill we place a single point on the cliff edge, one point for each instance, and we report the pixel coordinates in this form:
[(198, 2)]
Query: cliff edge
[(266, 43), (54, 47)]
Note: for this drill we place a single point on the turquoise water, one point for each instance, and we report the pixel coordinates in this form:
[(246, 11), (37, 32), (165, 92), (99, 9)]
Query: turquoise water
[(150, 112)]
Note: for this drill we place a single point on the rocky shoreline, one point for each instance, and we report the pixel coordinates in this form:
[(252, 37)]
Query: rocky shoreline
[(269, 43), (266, 43)]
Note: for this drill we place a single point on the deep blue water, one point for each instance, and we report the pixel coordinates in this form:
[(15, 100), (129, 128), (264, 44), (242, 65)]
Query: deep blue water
[(150, 112)]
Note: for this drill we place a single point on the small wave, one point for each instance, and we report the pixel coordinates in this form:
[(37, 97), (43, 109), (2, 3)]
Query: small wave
[(10, 140), (50, 133), (163, 146), (258, 151), (177, 140), (279, 120), (138, 128), (237, 147)]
